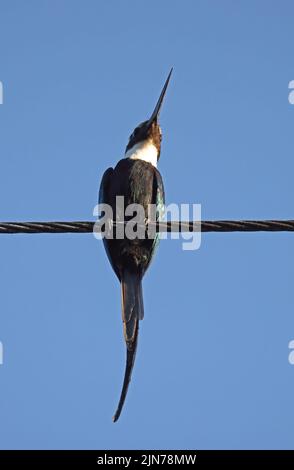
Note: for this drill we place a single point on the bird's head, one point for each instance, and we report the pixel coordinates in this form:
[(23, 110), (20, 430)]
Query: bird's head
[(145, 142)]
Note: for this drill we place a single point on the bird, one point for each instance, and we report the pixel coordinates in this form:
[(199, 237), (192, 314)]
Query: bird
[(136, 180)]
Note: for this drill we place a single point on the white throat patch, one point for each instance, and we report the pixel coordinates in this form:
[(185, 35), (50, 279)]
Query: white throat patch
[(145, 150)]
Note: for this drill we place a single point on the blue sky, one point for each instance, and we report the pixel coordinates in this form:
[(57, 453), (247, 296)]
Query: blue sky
[(212, 369)]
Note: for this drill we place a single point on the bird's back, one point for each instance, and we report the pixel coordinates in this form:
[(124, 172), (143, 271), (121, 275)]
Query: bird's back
[(137, 182)]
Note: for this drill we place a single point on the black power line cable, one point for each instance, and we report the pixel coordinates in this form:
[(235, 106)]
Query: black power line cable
[(174, 226)]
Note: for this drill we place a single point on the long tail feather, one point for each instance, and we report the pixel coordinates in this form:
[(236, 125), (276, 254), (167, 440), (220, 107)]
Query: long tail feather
[(132, 312), (131, 355)]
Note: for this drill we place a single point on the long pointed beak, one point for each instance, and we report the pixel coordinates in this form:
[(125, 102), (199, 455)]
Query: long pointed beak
[(156, 111)]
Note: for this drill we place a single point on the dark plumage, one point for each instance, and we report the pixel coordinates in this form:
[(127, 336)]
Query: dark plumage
[(138, 182)]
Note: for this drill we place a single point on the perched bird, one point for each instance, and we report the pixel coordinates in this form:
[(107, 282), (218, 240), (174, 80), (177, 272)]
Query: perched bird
[(137, 180)]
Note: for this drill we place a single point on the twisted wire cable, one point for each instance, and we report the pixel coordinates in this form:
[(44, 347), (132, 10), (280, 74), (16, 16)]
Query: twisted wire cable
[(172, 226)]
